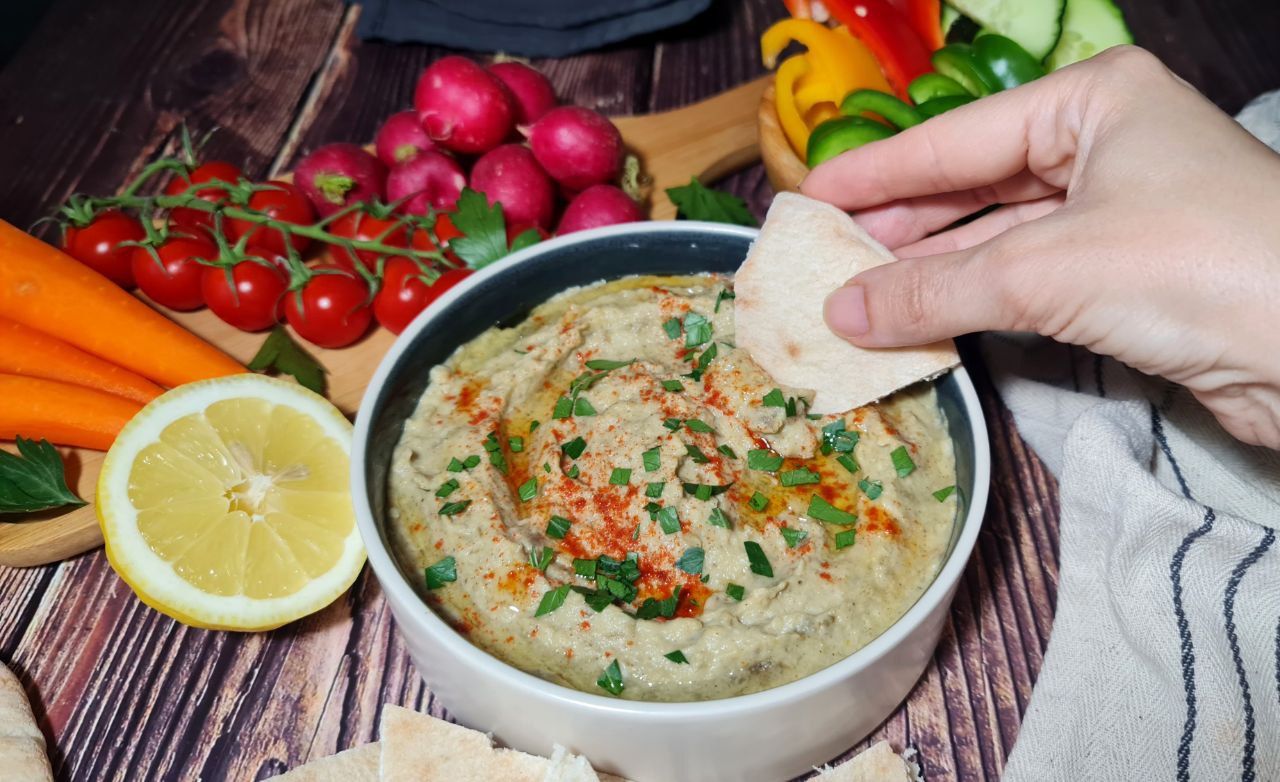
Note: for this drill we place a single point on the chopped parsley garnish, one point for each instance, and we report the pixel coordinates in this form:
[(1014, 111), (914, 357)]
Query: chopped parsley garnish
[(725, 295), (652, 508), (836, 438), (651, 608), (542, 559), (611, 679), (672, 327), (691, 561), (757, 560), (533, 425), (871, 488), (558, 527), (677, 657), (822, 510), (652, 459), (736, 591), (582, 407), (620, 476), (703, 362), (669, 520), (758, 501), (584, 381), (546, 467), (528, 490), (574, 448), (673, 385), (572, 472), (695, 453), (718, 519), (607, 365), (794, 537), (598, 599), (697, 330), (452, 508), (845, 538), (563, 408), (902, 462), (443, 572), (447, 488), (798, 477), (671, 423), (552, 600), (762, 459), (791, 407), (456, 466), (516, 444), (654, 489), (774, 399), (848, 462), (701, 491), (942, 494), (727, 451), (695, 425), (585, 567), (494, 448)]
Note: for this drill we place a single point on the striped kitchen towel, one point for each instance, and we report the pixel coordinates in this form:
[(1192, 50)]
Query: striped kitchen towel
[(1164, 663)]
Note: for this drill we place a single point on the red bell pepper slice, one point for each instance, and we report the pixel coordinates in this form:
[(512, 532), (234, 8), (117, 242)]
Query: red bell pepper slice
[(886, 32), (925, 17)]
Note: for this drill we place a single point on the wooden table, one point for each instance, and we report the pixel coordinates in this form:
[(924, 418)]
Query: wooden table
[(125, 693)]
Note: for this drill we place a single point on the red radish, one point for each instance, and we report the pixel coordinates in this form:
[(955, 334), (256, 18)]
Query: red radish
[(510, 175), (339, 174), (463, 107), (401, 138), (599, 205), (532, 91), (430, 180), (577, 147)]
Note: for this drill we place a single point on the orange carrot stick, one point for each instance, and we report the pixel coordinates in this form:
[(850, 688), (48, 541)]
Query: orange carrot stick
[(61, 413), (32, 353), (44, 289)]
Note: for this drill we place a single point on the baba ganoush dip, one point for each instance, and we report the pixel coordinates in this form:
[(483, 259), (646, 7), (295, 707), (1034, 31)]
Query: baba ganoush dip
[(613, 497)]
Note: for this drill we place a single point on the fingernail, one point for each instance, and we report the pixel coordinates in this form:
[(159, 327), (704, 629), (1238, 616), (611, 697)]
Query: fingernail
[(846, 311)]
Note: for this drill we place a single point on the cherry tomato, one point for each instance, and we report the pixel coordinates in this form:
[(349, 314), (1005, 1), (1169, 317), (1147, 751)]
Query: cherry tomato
[(251, 300), (289, 205), (364, 227), (97, 245), (404, 294), (175, 282), (193, 219), (440, 235), (332, 310)]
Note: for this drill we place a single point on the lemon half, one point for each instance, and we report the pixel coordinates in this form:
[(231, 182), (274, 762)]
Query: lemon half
[(225, 503)]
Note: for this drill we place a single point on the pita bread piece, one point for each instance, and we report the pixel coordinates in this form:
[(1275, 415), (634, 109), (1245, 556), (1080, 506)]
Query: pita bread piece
[(878, 763), (22, 752), (807, 249), (358, 764)]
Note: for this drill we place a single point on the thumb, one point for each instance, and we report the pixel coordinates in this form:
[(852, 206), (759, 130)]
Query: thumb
[(915, 301)]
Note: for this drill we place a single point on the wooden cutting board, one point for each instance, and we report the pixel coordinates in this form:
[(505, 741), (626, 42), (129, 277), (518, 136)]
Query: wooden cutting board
[(708, 139)]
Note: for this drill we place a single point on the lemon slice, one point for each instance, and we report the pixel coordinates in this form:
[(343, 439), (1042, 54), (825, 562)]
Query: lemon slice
[(225, 503)]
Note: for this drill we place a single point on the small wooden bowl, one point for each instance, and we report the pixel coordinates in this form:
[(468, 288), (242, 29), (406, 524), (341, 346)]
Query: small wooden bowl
[(782, 165)]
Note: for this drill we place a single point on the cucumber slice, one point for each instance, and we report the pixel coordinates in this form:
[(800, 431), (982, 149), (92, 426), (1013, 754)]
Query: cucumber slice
[(949, 16), (1035, 24), (1088, 27)]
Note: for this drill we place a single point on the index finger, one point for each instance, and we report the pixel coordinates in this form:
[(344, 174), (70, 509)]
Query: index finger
[(975, 145)]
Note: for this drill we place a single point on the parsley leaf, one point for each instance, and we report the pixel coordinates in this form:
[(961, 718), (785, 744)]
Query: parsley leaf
[(552, 600), (942, 494), (871, 488), (762, 459), (542, 559), (672, 327), (558, 527), (528, 490), (691, 561), (611, 679), (280, 354), (654, 489), (33, 478), (845, 538), (669, 520), (607, 365), (454, 508), (774, 399), (757, 560), (620, 476), (736, 591), (443, 572), (902, 462), (758, 501), (794, 537), (574, 448), (798, 477), (673, 385), (822, 510), (677, 657), (652, 459), (696, 201), (718, 519), (483, 228)]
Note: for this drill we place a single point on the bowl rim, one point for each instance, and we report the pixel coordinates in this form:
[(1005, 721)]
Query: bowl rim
[(398, 589)]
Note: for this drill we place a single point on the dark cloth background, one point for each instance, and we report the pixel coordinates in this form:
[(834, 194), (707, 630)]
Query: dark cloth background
[(528, 28)]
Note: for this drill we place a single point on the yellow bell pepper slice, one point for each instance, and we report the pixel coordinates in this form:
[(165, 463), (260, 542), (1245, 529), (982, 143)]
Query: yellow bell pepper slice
[(840, 61), (784, 86)]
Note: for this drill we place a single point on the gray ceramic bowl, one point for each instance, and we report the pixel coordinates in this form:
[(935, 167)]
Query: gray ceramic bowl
[(773, 734)]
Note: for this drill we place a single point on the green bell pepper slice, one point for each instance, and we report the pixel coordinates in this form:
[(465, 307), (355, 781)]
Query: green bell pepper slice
[(1007, 62), (943, 103), (928, 86), (841, 135), (957, 61), (898, 113)]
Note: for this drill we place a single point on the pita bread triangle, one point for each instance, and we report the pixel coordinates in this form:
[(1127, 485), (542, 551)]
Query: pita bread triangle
[(807, 249), (22, 755), (358, 764)]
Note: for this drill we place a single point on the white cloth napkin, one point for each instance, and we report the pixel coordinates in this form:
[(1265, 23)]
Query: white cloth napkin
[(1164, 663)]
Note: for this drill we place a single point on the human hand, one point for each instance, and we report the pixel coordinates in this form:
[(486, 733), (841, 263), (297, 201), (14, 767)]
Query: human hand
[(1138, 221)]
